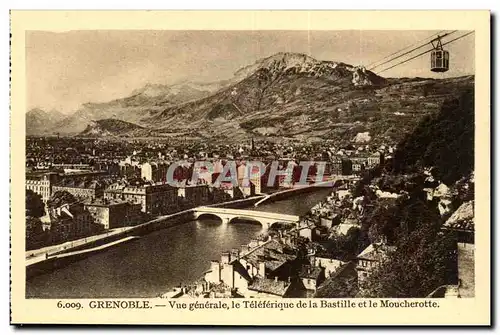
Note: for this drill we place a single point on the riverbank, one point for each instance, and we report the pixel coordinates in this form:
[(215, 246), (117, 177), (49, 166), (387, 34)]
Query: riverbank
[(62, 259), (41, 261), (158, 261)]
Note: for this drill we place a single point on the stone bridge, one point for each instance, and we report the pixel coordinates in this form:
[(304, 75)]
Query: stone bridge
[(267, 219)]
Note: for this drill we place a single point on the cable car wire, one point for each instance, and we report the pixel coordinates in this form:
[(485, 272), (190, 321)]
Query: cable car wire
[(401, 50), (408, 52), (423, 53)]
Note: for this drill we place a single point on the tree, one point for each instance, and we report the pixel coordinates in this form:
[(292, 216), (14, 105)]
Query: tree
[(422, 261), (346, 247), (60, 198), (444, 140), (34, 232), (341, 287), (301, 247), (399, 218), (34, 204)]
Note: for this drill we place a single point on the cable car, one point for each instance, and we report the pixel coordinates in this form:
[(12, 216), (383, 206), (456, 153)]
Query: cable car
[(440, 59)]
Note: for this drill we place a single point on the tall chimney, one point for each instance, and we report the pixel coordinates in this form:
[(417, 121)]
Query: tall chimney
[(225, 257), (262, 269), (266, 253)]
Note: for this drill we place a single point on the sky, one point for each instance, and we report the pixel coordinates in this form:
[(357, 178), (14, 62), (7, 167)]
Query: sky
[(67, 69)]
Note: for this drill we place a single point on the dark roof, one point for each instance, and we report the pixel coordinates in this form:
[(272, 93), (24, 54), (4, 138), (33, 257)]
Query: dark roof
[(271, 253), (80, 183), (311, 272), (462, 218), (271, 286), (105, 202), (241, 270), (325, 254), (329, 288), (375, 252), (75, 209)]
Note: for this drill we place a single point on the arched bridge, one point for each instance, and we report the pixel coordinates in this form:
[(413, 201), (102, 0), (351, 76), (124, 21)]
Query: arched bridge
[(228, 214)]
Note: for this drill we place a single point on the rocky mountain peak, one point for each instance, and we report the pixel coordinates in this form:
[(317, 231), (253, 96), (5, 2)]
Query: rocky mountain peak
[(286, 63)]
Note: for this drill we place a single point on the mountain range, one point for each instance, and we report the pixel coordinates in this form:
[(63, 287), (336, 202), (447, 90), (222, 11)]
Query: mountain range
[(287, 95), (39, 121)]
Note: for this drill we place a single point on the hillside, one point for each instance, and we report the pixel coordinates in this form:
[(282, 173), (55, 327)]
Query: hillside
[(38, 120), (286, 96), (443, 140), (113, 127), (300, 98)]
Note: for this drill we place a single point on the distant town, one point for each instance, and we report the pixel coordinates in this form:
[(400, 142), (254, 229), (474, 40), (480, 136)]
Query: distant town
[(81, 191), (89, 186)]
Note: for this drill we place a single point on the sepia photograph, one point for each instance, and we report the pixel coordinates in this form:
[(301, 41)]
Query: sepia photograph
[(111, 112), (262, 164)]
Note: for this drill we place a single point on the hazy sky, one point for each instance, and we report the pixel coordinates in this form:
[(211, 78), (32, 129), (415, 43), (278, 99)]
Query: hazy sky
[(67, 69)]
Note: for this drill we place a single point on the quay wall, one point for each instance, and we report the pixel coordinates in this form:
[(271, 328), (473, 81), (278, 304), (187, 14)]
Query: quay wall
[(60, 260), (57, 259), (141, 229)]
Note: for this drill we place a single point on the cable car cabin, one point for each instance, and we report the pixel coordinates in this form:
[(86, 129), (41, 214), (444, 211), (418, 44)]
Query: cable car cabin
[(440, 60)]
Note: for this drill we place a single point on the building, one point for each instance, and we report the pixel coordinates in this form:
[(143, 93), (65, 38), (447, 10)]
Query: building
[(370, 258), (129, 168), (311, 277), (202, 172), (247, 179), (249, 271), (155, 171), (329, 220), (41, 183), (110, 167), (375, 159), (329, 263), (194, 195), (335, 285), (80, 188), (359, 164), (306, 232), (269, 288), (80, 175), (229, 272), (257, 180), (461, 223), (68, 221), (308, 229), (444, 196), (111, 214), (340, 166), (267, 259), (343, 193), (155, 199), (68, 167), (226, 191)]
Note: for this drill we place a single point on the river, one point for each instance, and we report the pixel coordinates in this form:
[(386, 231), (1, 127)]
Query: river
[(157, 262)]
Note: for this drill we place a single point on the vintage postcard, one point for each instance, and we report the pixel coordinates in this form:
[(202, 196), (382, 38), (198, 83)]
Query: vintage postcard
[(250, 167)]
